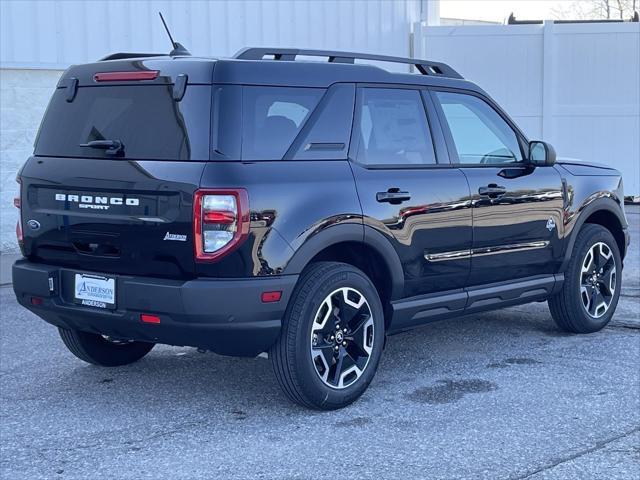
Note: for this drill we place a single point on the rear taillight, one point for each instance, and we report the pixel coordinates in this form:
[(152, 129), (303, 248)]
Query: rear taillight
[(19, 235), (17, 202), (220, 222)]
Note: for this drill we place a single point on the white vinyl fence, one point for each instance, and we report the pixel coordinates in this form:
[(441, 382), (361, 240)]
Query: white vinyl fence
[(574, 85)]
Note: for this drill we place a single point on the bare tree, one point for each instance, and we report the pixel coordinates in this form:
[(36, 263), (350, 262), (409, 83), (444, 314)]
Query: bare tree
[(595, 10)]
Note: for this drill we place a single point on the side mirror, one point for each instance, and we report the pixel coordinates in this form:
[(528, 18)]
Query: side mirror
[(541, 153)]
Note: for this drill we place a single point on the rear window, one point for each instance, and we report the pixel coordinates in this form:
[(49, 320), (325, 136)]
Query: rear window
[(146, 119), (272, 117)]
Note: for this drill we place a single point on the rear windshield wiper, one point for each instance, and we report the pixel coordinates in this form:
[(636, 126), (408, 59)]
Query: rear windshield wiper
[(111, 147)]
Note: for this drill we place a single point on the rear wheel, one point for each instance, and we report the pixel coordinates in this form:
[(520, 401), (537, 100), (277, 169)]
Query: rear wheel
[(101, 350), (332, 337), (591, 288)]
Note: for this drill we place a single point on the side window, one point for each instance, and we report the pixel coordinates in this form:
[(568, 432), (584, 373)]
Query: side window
[(393, 128), (480, 134), (272, 117)]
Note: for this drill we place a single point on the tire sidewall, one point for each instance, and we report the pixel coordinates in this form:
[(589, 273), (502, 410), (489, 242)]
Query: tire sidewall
[(96, 350), (587, 322), (309, 381)]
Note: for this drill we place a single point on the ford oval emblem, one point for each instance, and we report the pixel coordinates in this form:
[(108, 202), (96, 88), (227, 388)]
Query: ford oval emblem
[(34, 224)]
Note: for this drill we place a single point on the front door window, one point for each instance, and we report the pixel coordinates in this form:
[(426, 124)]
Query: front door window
[(481, 136)]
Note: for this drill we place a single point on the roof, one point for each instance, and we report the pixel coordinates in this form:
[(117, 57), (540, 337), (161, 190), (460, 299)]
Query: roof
[(249, 68)]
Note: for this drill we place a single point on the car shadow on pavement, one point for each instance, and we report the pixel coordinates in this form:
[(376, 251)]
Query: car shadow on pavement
[(183, 381)]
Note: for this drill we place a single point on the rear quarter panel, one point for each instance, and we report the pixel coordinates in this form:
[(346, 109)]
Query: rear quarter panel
[(290, 202)]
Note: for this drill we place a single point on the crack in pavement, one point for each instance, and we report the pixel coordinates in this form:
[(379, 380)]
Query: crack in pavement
[(44, 452), (625, 326), (560, 460)]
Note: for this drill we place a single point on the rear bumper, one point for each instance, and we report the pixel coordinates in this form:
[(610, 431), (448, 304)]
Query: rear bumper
[(226, 316)]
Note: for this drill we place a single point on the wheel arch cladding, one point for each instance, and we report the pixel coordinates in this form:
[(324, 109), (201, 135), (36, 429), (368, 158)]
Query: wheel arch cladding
[(605, 212), (360, 246), (611, 222)]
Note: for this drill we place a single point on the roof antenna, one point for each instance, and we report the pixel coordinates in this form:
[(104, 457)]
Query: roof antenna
[(178, 49)]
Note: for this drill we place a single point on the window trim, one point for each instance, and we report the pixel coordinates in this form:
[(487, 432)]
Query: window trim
[(431, 124), (451, 146), (308, 126)]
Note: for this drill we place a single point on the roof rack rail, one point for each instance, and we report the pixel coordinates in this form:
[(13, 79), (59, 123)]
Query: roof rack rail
[(124, 55), (425, 67)]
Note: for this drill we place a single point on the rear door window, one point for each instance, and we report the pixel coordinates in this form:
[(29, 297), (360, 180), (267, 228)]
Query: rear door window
[(144, 118), (272, 117)]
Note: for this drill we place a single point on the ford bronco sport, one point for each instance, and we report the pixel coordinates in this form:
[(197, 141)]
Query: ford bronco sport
[(308, 209)]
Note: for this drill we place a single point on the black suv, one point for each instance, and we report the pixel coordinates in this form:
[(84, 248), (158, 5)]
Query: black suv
[(268, 203)]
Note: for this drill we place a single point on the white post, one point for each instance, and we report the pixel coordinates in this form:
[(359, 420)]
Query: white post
[(548, 78), (431, 12), (417, 41)]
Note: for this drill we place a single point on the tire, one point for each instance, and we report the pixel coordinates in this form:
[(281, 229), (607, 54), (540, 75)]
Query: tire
[(578, 307), (97, 350), (307, 365)]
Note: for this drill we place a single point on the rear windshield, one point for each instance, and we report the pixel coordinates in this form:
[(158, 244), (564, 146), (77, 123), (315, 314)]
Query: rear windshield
[(146, 119)]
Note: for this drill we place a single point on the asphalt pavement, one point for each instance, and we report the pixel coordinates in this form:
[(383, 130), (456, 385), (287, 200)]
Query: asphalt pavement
[(501, 395)]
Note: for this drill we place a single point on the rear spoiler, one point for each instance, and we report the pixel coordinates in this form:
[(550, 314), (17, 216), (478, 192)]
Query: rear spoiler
[(170, 71), (125, 55)]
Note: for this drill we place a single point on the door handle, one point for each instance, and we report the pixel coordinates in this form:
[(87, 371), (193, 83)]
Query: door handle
[(393, 196), (492, 190)]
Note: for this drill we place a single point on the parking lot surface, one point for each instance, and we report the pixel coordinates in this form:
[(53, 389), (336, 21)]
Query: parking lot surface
[(501, 395)]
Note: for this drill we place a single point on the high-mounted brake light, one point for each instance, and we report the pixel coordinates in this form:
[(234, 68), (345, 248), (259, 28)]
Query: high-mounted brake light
[(220, 222), (125, 76)]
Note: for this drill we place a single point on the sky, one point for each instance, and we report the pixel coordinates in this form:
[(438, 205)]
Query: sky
[(499, 10)]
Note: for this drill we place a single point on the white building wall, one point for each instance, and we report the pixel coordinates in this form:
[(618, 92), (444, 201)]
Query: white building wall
[(24, 95), (577, 86), (574, 85), (39, 39), (55, 34)]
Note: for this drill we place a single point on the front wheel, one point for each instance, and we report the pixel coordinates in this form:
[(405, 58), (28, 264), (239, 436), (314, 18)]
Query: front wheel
[(332, 337), (591, 288), (103, 351)]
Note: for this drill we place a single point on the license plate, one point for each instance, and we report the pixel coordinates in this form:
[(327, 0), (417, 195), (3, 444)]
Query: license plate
[(95, 291)]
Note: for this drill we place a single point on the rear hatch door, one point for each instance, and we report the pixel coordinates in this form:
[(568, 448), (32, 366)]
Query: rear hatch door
[(128, 211)]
